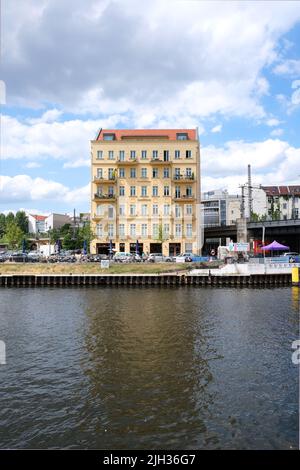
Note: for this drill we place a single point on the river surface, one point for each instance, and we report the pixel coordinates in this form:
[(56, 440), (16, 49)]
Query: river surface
[(149, 368)]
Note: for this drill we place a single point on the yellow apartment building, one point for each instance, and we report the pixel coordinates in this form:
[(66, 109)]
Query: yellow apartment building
[(145, 191)]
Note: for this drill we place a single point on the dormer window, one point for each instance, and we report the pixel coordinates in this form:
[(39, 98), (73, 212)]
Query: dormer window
[(109, 136), (182, 136)]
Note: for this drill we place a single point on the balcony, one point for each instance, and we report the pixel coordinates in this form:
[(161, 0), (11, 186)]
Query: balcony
[(184, 178), (184, 198), (104, 197), (131, 161), (159, 161), (102, 180)]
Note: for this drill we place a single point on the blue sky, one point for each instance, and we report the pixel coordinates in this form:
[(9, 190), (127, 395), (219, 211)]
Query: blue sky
[(230, 68)]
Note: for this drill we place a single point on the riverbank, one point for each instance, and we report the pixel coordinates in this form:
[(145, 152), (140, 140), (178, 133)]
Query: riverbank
[(92, 268)]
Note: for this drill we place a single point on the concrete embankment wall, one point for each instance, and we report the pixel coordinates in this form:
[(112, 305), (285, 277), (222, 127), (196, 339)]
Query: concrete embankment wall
[(168, 280)]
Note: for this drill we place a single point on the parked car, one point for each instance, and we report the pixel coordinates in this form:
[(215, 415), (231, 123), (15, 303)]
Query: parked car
[(122, 257), (159, 258), (184, 258)]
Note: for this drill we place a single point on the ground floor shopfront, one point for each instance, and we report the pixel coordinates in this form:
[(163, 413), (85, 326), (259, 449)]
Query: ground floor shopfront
[(142, 246)]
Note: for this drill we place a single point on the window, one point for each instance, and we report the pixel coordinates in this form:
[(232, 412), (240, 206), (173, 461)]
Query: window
[(122, 172), (132, 230), (154, 172), (144, 191), (132, 191), (99, 173), (284, 205), (99, 190), (110, 190), (121, 155), (166, 191), (122, 209), (144, 154), (182, 136), (166, 230), (155, 209), (110, 230), (111, 174), (99, 209), (99, 155), (110, 212), (189, 191), (109, 136), (132, 173), (132, 209), (155, 230), (122, 230), (110, 154), (177, 173), (155, 191), (99, 230), (155, 154), (177, 230), (122, 191), (166, 173), (166, 209), (189, 230), (189, 209), (188, 154), (177, 211), (144, 172), (177, 191), (166, 155), (132, 154), (188, 247), (144, 230), (144, 209), (177, 153), (188, 172)]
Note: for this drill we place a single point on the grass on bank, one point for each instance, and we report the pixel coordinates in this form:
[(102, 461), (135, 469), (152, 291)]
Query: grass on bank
[(93, 268)]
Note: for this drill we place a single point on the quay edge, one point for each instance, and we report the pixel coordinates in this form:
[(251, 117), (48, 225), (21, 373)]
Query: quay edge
[(165, 280)]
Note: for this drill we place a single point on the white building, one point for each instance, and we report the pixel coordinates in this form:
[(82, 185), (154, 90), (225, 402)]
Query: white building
[(283, 202), (220, 208), (43, 223)]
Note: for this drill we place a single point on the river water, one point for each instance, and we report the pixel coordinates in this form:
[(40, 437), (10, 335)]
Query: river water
[(149, 368)]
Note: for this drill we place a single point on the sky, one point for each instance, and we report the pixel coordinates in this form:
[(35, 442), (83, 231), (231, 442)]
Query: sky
[(232, 69)]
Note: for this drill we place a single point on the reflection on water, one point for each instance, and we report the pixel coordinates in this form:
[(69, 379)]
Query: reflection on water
[(149, 368)]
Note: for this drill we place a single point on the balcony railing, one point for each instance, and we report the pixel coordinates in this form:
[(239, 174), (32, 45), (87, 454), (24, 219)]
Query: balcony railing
[(184, 197), (104, 196), (102, 179), (183, 177)]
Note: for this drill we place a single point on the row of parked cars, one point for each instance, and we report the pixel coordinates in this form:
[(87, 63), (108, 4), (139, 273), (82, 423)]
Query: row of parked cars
[(77, 256)]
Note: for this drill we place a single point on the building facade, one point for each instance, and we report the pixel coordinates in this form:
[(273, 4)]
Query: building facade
[(145, 191), (282, 202), (44, 223), (220, 208)]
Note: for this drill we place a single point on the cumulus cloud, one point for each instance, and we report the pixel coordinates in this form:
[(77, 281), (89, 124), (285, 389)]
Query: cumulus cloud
[(23, 188), (116, 59), (216, 129), (288, 67), (273, 161), (68, 141)]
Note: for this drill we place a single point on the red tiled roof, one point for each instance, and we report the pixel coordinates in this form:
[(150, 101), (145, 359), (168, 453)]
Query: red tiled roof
[(39, 217), (169, 134), (282, 190)]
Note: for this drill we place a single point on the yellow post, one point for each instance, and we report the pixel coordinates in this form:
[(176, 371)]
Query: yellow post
[(295, 276)]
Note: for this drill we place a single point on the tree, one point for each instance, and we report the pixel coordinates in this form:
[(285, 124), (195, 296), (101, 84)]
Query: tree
[(2, 225), (85, 233), (14, 235), (21, 220), (10, 218)]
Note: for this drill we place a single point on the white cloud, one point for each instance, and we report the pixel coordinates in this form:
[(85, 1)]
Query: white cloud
[(272, 122), (277, 132), (131, 61), (216, 129), (33, 165), (288, 67), (23, 188), (68, 141), (273, 161)]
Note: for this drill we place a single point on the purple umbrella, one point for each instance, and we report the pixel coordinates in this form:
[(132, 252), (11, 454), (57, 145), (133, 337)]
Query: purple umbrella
[(274, 246)]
